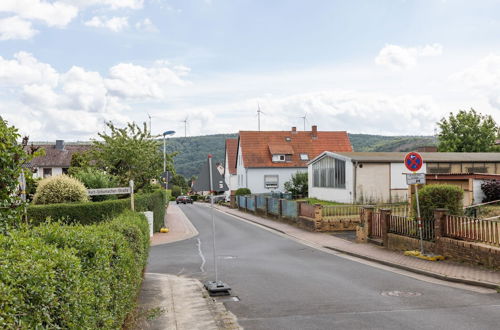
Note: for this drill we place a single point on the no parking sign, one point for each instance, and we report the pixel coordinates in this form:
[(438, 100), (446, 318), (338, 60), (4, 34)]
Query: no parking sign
[(413, 161)]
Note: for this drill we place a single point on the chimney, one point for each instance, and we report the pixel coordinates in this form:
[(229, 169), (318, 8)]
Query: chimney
[(59, 144), (314, 132), (294, 130)]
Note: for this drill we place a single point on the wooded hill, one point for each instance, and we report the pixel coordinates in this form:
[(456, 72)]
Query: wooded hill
[(192, 151)]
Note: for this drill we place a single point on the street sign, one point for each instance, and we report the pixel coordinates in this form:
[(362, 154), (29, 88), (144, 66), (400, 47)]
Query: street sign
[(415, 178), (413, 161), (109, 191)]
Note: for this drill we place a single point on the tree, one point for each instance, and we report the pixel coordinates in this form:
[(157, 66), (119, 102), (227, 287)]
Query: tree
[(468, 131), (298, 185), (13, 158), (130, 153)]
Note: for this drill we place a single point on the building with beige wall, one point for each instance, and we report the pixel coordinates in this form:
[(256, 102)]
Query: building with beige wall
[(374, 177)]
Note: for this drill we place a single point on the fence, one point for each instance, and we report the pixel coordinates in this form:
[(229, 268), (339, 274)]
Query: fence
[(251, 203), (376, 226), (273, 206), (307, 210), (471, 229), (406, 226), (261, 202), (289, 208), (333, 211)]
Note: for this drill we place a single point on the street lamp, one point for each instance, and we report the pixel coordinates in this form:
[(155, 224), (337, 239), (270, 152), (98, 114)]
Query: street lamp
[(165, 149)]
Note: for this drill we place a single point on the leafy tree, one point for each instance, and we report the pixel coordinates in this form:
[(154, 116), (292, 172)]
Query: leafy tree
[(468, 131), (94, 178), (13, 158), (298, 185), (179, 180), (130, 153), (491, 190)]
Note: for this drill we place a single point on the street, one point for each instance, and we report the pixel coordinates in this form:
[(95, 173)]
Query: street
[(282, 284)]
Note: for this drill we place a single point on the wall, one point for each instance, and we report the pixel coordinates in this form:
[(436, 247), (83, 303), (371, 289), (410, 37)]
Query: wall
[(372, 182), (478, 194), (334, 194), (255, 179), (240, 170), (55, 171)]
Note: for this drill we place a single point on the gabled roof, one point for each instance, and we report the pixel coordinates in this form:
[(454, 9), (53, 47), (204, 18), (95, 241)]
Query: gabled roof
[(231, 151), (256, 146), (57, 158)]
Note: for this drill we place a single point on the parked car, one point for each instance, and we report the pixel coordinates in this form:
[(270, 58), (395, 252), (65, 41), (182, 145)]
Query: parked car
[(184, 200)]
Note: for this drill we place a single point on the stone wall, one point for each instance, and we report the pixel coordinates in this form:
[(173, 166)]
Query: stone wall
[(477, 253), (403, 243)]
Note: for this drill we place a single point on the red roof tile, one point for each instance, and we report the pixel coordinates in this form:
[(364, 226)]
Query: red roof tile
[(231, 150), (281, 149), (255, 146)]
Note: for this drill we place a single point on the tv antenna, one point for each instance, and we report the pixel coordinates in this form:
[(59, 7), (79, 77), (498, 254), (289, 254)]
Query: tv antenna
[(258, 115), (185, 121), (304, 117)]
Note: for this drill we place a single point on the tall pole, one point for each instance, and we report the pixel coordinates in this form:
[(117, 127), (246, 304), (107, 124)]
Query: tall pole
[(258, 115), (164, 154), (419, 219), (212, 214)]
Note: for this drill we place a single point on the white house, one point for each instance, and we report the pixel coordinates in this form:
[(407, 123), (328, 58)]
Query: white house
[(230, 166), (367, 177), (265, 160)]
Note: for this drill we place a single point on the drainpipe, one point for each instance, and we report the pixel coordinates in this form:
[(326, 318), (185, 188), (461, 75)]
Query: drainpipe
[(354, 179)]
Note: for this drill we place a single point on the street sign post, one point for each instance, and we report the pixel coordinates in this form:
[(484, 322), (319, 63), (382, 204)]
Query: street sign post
[(413, 162), (116, 191)]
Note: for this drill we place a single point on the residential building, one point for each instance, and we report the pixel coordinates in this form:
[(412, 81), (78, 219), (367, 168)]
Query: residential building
[(230, 175), (368, 177), (265, 160), (57, 158)]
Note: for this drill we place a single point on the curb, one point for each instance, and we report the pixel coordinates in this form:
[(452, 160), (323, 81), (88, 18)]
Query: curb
[(386, 263)]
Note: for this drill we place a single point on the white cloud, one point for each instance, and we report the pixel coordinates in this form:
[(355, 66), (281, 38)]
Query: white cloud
[(115, 24), (16, 28), (56, 13), (113, 4), (402, 58), (25, 69), (146, 25), (128, 80)]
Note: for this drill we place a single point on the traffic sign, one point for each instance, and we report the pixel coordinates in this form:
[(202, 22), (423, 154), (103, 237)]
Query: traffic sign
[(413, 161), (415, 178)]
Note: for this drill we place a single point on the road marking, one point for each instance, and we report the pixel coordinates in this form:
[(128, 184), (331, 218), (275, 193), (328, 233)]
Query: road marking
[(201, 256)]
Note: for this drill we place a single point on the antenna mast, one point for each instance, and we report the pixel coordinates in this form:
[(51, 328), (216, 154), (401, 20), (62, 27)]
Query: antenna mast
[(304, 117), (149, 116)]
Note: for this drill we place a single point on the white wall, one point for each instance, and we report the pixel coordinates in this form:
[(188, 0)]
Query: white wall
[(478, 194), (256, 178), (55, 171), (240, 171), (398, 179), (334, 194)]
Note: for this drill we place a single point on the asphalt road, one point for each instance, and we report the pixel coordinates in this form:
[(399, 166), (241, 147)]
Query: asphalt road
[(283, 284)]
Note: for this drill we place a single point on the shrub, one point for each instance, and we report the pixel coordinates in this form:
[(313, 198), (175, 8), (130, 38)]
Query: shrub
[(73, 276), (298, 185), (432, 197), (176, 191), (243, 191), (60, 189), (491, 190), (194, 197), (94, 178), (90, 213)]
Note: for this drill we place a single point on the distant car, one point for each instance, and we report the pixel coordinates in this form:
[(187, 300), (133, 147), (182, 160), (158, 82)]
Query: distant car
[(184, 200)]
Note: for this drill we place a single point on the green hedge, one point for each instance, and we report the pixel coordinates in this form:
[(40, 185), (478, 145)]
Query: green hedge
[(72, 276), (445, 196), (94, 212)]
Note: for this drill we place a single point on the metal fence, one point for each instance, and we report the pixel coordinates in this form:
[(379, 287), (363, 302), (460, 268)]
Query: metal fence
[(376, 225), (407, 226), (344, 211), (251, 203), (261, 202), (471, 229), (273, 205), (289, 208)]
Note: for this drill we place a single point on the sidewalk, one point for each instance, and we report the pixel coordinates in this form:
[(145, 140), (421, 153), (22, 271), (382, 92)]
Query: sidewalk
[(444, 270), (180, 228)]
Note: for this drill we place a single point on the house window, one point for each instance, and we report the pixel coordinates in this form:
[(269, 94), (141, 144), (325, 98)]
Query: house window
[(279, 158), (65, 170), (304, 157), (271, 181), (329, 173), (47, 172)]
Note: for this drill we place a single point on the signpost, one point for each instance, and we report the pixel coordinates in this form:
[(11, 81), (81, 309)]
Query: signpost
[(413, 162), (115, 191)]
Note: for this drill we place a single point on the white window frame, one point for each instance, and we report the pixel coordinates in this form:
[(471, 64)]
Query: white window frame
[(279, 158), (271, 181), (304, 157)]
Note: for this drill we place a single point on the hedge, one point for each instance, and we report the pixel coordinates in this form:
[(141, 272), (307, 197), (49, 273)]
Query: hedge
[(72, 276), (445, 196), (94, 212)]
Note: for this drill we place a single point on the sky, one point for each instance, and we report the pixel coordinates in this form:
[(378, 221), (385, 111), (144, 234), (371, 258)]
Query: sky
[(391, 67)]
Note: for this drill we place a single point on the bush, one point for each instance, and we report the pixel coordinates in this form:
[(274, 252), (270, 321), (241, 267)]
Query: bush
[(491, 190), (195, 197), (298, 185), (243, 191), (445, 196), (72, 276), (90, 213), (60, 189), (94, 178), (176, 191)]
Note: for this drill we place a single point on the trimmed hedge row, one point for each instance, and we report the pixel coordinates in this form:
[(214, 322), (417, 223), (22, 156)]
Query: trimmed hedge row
[(94, 212), (72, 276)]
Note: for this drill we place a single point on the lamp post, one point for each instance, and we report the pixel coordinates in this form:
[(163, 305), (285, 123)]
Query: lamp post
[(165, 152)]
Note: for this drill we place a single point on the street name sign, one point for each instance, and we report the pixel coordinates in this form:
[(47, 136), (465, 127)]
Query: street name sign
[(109, 191), (415, 178)]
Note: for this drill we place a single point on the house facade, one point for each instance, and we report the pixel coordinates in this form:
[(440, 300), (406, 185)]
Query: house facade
[(57, 158), (265, 160), (371, 177), (230, 175)]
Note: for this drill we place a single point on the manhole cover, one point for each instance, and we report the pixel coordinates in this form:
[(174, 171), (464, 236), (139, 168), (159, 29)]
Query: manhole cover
[(397, 293)]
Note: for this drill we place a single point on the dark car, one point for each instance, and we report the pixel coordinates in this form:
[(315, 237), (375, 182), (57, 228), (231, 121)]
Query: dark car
[(184, 200)]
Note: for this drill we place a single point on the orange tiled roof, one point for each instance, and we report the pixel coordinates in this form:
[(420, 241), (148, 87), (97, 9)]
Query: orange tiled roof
[(281, 149), (231, 150), (255, 146)]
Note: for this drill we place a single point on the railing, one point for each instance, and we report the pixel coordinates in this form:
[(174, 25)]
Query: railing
[(251, 203), (396, 209), (307, 210), (471, 229), (333, 211), (406, 226), (376, 226)]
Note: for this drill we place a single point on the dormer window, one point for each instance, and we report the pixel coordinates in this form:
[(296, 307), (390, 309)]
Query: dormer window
[(279, 158)]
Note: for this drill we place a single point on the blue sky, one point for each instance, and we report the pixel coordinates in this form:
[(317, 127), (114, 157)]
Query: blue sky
[(381, 67)]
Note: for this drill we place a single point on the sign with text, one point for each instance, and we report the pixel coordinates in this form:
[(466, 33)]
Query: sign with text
[(109, 191), (415, 178)]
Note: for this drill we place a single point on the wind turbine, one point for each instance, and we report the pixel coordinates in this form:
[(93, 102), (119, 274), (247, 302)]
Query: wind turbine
[(304, 117), (258, 115), (185, 121), (149, 116)]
